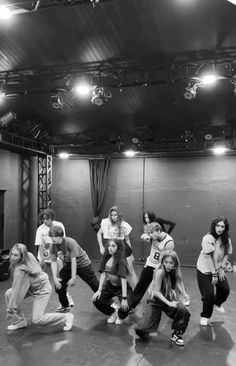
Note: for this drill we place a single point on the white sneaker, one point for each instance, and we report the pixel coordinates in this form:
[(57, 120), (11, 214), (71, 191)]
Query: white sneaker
[(112, 318), (204, 321), (69, 322), (220, 309), (69, 297), (186, 302), (20, 325), (119, 321)]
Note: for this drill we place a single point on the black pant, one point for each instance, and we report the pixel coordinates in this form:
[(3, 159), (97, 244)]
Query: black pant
[(105, 300), (144, 281), (152, 316), (86, 273), (209, 295)]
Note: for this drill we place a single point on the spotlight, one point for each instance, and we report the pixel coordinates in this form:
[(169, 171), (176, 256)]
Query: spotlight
[(56, 101), (190, 92), (100, 95), (232, 1), (130, 153), (7, 118), (63, 155)]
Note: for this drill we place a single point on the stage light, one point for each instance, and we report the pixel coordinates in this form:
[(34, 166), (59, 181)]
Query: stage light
[(63, 155), (5, 13), (100, 95), (208, 79), (56, 101), (220, 150), (7, 118), (190, 92), (130, 153), (82, 90), (232, 1)]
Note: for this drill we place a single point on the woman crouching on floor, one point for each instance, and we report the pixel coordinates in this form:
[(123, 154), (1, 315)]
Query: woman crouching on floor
[(113, 282), (167, 295)]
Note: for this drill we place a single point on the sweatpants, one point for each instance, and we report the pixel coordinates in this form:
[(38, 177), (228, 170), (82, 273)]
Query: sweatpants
[(211, 294)]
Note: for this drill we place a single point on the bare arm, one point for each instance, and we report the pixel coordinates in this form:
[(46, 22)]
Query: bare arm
[(158, 277), (100, 286), (71, 281), (100, 243), (124, 302)]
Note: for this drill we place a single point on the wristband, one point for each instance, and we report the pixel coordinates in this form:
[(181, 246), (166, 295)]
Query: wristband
[(124, 297), (214, 274), (223, 267)]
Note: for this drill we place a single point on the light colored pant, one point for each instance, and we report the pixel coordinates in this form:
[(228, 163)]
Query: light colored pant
[(40, 302)]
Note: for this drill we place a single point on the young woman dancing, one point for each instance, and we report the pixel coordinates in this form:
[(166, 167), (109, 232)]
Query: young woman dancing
[(113, 283), (115, 227), (167, 295), (30, 280), (211, 265)]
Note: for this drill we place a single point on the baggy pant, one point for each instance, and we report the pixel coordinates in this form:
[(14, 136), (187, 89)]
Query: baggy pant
[(152, 316), (105, 300), (40, 301), (211, 294), (86, 273)]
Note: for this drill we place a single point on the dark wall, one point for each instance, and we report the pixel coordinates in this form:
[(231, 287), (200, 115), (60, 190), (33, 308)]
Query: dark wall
[(190, 191), (11, 183)]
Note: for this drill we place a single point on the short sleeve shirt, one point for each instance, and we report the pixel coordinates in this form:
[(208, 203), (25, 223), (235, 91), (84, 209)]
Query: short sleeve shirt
[(211, 247), (69, 249), (43, 238), (111, 231)]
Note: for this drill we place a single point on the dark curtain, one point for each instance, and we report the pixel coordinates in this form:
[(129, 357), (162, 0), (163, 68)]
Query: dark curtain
[(99, 170)]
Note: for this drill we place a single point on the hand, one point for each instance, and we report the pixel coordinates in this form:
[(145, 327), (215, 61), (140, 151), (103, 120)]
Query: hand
[(102, 250), (145, 236), (96, 295), (9, 315), (57, 283), (214, 280), (71, 282), (221, 274), (174, 304), (124, 305)]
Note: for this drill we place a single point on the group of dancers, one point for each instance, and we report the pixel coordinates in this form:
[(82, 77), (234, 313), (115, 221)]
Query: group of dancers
[(161, 275)]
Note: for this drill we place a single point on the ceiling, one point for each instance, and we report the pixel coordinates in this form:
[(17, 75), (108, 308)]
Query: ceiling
[(143, 53)]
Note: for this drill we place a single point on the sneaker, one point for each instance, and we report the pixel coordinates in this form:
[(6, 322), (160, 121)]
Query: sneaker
[(115, 306), (220, 309), (112, 318), (142, 334), (69, 322), (119, 321), (177, 338), (70, 300), (204, 321), (186, 302), (20, 325), (62, 309)]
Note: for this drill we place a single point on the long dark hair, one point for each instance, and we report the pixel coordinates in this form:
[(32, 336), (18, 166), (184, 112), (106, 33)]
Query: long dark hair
[(172, 283), (151, 215), (225, 235), (119, 256)]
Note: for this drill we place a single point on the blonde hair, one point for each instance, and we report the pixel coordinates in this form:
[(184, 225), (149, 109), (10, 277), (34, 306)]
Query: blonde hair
[(27, 260)]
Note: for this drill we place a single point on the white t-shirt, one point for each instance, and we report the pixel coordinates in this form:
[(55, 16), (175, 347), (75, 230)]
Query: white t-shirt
[(111, 231), (157, 250), (42, 238), (211, 245)]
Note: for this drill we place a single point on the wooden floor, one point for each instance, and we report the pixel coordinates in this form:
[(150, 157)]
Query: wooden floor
[(93, 342)]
